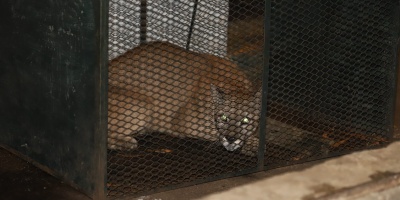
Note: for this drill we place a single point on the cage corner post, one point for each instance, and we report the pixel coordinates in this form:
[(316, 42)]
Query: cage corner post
[(396, 71), (100, 161), (264, 95)]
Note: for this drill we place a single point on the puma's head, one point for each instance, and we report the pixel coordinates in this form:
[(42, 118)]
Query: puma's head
[(236, 116)]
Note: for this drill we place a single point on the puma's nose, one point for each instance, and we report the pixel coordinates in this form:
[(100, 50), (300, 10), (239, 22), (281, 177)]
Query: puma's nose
[(231, 139)]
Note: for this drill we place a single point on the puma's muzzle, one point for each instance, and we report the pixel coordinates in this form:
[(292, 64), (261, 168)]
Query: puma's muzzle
[(231, 144)]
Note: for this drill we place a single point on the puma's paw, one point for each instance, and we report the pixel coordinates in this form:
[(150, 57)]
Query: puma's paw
[(122, 142)]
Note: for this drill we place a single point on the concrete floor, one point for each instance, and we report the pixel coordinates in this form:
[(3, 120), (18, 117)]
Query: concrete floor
[(221, 186), (367, 175), (361, 175), (21, 180)]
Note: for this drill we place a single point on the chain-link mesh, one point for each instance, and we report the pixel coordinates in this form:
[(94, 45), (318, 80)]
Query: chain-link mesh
[(331, 78), (185, 86), (183, 104)]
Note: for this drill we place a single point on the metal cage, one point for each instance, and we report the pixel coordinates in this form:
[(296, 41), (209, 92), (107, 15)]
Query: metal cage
[(171, 93)]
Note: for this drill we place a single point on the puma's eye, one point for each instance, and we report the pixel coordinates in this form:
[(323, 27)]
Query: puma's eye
[(223, 117), (245, 120)]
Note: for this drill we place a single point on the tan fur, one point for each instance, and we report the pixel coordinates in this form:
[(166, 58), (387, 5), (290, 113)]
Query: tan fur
[(165, 88)]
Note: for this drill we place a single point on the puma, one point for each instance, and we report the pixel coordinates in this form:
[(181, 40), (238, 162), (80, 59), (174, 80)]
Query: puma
[(161, 87)]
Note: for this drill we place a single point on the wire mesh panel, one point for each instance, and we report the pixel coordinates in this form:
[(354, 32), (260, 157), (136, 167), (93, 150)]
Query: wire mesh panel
[(185, 82), (184, 104), (331, 78)]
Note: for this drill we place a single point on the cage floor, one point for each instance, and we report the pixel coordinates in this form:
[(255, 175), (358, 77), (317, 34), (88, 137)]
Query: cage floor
[(287, 144), (20, 179), (166, 161)]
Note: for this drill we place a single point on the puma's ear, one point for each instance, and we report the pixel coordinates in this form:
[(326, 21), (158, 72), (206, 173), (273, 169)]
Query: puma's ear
[(217, 95)]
